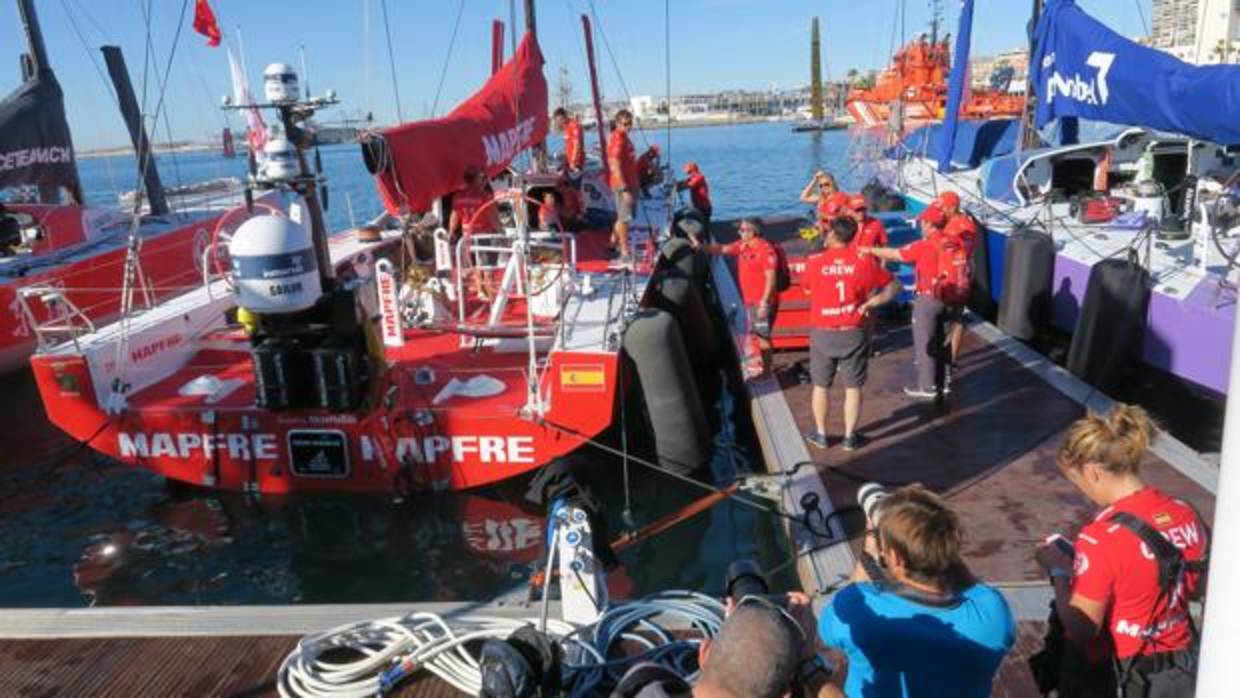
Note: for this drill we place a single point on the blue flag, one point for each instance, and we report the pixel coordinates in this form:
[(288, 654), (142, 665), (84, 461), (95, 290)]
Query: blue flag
[(955, 86), (1081, 68)]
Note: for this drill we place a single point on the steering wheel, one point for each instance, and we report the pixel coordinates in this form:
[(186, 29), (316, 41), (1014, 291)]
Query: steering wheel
[(491, 285)]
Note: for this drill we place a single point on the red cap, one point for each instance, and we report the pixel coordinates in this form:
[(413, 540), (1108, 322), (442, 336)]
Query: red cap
[(949, 199), (691, 167), (857, 202), (932, 215)]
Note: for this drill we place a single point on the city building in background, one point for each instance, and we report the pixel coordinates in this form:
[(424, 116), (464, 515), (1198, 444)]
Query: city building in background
[(1197, 31)]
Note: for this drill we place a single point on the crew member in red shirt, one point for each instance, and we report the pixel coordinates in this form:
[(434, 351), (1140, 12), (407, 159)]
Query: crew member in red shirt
[(818, 191), (1107, 595), (622, 169), (962, 224), (931, 316), (466, 203), (549, 213), (756, 266), (699, 190), (870, 231), (574, 141), (844, 287)]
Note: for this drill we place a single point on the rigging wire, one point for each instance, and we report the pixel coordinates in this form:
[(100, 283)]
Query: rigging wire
[(162, 80), (667, 76), (103, 77), (1141, 13), (447, 59), (387, 29), (615, 66), (366, 55)]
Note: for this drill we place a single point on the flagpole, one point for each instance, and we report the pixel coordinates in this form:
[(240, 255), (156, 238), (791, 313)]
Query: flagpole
[(245, 66)]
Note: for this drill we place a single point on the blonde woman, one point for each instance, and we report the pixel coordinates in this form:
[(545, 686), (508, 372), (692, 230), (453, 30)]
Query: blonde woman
[(1108, 595)]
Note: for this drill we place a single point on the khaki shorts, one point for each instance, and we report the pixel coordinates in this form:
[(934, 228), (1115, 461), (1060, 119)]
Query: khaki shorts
[(846, 352), (624, 211)]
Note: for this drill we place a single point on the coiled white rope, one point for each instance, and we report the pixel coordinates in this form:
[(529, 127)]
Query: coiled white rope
[(391, 648)]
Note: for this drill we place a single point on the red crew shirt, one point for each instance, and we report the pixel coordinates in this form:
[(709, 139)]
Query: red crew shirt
[(924, 255), (872, 233), (548, 216), (1112, 567), (962, 225), (465, 203), (574, 144), (839, 280), (619, 147), (754, 259), (699, 191)]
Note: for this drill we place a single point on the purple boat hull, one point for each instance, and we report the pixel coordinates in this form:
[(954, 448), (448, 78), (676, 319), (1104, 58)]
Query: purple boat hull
[(1189, 338)]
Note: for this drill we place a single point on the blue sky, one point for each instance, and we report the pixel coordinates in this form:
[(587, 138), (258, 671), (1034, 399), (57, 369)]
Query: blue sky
[(716, 44)]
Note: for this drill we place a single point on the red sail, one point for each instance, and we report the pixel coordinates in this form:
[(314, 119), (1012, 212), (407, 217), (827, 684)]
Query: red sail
[(428, 158)]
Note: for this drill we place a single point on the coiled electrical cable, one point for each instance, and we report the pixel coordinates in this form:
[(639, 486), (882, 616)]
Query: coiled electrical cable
[(393, 648)]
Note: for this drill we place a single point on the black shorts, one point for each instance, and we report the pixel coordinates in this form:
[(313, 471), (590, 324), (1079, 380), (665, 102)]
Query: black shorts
[(761, 329), (844, 351)]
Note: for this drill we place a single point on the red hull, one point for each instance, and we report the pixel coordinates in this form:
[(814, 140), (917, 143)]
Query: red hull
[(237, 447), (90, 276), (408, 435)]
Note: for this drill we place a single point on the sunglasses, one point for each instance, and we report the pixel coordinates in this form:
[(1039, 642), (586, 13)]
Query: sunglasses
[(765, 603)]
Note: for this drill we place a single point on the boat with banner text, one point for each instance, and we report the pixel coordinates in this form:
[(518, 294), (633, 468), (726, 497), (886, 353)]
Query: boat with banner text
[(62, 261), (1128, 192), (397, 358)]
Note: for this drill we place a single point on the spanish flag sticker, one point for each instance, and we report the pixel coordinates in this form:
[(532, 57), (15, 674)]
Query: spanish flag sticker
[(583, 378)]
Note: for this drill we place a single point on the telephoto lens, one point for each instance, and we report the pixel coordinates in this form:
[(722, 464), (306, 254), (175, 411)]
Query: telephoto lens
[(745, 579), (870, 498)]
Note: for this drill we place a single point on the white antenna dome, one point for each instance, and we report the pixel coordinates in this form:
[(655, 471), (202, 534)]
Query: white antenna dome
[(280, 84)]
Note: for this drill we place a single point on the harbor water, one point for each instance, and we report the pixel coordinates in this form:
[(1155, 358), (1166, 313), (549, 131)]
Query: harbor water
[(77, 529)]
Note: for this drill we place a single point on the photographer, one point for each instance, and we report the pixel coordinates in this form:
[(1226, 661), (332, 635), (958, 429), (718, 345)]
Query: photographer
[(915, 622), (764, 649), (1122, 598)]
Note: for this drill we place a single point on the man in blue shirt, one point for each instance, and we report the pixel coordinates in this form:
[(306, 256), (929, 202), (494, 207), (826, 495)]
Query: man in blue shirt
[(915, 622)]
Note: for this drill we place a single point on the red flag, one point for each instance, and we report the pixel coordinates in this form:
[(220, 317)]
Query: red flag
[(205, 24)]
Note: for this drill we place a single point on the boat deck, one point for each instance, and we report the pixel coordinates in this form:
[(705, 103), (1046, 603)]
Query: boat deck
[(989, 450)]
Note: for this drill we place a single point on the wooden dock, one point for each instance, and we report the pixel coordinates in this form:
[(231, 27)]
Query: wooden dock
[(231, 651), (990, 453)]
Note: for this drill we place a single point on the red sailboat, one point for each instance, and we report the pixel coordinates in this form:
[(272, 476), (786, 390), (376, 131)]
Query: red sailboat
[(386, 361), (62, 262)]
